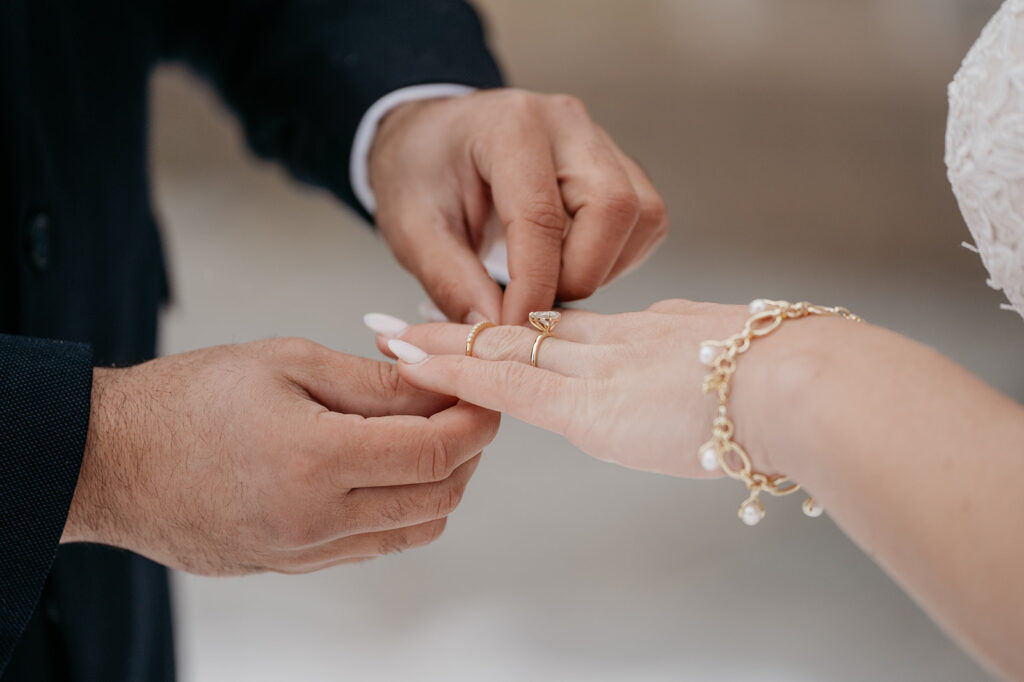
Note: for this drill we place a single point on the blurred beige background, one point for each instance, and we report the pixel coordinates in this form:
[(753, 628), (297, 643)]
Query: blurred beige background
[(799, 146)]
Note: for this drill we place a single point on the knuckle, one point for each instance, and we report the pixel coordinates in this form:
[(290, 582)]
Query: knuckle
[(670, 306), (503, 343), (293, 347), (386, 379), (394, 510), (579, 282), (655, 212), (436, 459), (569, 103), (434, 530), (448, 499), (660, 232), (549, 216), (622, 206), (521, 102), (393, 542)]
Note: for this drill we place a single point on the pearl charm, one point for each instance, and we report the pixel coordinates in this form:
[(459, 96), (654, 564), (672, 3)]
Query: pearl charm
[(707, 354), (758, 305), (751, 512), (812, 508), (709, 458)]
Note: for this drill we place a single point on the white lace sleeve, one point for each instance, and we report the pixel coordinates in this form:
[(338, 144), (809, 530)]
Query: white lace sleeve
[(985, 148)]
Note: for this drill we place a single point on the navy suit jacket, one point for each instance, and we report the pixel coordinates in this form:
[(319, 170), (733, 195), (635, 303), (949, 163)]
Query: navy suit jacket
[(81, 263)]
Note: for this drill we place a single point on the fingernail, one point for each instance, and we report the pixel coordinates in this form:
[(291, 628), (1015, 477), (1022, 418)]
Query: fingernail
[(430, 312), (408, 353), (473, 317), (385, 325)]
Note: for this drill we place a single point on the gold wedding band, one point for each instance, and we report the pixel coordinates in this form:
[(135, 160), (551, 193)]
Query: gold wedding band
[(471, 338), (536, 347), (545, 322)]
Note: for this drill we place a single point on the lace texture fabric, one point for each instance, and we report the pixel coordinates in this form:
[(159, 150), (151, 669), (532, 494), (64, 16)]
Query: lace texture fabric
[(985, 148)]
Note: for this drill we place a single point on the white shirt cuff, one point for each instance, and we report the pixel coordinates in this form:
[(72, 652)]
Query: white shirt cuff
[(493, 251), (359, 160)]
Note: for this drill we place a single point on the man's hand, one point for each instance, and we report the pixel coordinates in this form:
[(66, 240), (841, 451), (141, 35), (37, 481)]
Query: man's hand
[(578, 212), (277, 455)]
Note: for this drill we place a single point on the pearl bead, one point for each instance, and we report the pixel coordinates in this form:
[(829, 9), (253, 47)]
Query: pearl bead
[(707, 354), (752, 512), (758, 305), (709, 458), (812, 508)]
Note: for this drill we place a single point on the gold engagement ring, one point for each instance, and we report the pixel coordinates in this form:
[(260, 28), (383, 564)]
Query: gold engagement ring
[(545, 322)]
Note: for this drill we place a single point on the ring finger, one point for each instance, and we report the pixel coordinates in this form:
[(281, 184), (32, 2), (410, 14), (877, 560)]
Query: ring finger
[(506, 342)]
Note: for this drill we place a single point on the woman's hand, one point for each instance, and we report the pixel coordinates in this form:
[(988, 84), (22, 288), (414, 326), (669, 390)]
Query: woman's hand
[(917, 460), (623, 388)]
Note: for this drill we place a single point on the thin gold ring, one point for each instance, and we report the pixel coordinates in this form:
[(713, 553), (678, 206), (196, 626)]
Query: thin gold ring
[(471, 338), (536, 347), (545, 322)]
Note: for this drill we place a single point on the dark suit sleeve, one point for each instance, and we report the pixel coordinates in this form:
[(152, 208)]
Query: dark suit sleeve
[(45, 388), (301, 73)]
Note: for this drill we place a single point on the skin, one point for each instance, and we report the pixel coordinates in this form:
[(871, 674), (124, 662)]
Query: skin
[(915, 459), (578, 212), (285, 456), (275, 455)]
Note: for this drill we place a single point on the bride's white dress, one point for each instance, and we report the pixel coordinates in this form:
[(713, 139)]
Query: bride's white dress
[(985, 148)]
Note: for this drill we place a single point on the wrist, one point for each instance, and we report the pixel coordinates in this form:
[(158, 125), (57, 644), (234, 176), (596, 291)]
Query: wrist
[(778, 383), (388, 129), (96, 513)]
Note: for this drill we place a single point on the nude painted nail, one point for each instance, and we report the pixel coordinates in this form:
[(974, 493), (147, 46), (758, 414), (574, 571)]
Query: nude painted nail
[(387, 326), (408, 353)]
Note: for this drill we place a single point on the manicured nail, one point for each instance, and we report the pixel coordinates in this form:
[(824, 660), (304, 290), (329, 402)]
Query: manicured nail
[(408, 353), (430, 312), (385, 325), (473, 317)]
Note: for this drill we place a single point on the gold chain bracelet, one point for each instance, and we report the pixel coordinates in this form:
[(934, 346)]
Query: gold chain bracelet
[(722, 452)]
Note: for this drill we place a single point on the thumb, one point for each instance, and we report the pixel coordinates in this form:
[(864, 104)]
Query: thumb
[(447, 266)]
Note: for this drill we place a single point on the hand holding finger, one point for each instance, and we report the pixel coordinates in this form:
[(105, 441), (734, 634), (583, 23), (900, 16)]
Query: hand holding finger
[(352, 385), (537, 396)]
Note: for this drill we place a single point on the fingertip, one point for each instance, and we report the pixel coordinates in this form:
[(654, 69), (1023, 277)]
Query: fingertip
[(408, 353), (522, 298), (388, 326)]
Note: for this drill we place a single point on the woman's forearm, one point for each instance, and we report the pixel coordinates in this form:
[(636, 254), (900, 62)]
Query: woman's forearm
[(921, 463)]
